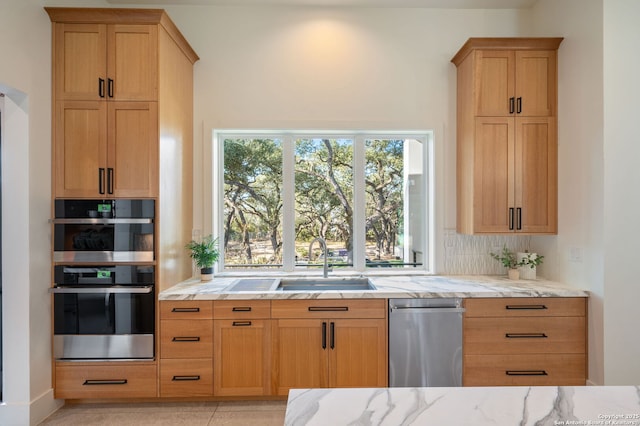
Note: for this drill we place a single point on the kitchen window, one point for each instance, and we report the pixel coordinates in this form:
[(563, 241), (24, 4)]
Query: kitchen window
[(367, 194)]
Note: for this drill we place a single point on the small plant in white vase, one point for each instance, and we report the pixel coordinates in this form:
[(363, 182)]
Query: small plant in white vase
[(528, 263)]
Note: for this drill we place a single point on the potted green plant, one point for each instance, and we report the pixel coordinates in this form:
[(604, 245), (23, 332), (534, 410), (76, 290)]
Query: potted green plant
[(205, 254), (513, 262)]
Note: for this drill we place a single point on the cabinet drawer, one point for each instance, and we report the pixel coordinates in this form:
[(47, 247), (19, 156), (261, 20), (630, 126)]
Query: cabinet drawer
[(524, 335), (186, 339), (525, 307), (186, 309), (186, 377), (105, 381), (329, 308), (524, 370), (241, 309)]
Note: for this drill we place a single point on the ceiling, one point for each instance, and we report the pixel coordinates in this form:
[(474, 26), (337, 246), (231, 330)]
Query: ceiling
[(435, 4)]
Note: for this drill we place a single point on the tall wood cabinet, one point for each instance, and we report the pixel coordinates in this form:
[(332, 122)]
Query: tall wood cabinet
[(507, 136), (123, 128)]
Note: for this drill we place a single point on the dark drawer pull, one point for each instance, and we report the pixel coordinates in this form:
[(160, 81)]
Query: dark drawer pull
[(185, 378), (526, 307), (241, 323), (186, 339), (241, 309), (526, 373), (185, 310), (105, 382), (525, 336), (328, 308)]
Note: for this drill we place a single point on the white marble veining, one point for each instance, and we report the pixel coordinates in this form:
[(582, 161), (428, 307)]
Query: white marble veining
[(386, 287), (478, 406)]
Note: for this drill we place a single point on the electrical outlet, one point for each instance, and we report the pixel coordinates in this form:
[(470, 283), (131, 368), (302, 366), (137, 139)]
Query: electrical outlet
[(575, 254)]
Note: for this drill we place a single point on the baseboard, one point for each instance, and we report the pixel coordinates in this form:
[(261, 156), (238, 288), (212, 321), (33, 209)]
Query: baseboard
[(43, 406)]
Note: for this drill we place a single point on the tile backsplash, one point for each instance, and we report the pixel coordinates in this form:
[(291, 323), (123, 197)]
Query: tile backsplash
[(469, 254)]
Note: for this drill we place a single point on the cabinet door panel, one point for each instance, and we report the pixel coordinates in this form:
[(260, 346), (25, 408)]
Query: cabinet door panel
[(536, 174), (80, 60), (536, 82), (494, 80), (242, 357), (299, 359), (133, 62), (358, 357), (493, 180), (80, 148), (133, 148)]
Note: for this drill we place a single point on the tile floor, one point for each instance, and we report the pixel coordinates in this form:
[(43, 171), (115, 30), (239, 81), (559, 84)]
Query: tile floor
[(236, 413)]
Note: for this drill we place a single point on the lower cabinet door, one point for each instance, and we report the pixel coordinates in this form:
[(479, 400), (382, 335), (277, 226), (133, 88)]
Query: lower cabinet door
[(524, 370), (186, 377), (358, 353), (242, 361), (79, 381)]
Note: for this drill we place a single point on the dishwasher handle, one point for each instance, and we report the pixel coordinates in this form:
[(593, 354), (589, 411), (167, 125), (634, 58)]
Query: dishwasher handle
[(408, 310)]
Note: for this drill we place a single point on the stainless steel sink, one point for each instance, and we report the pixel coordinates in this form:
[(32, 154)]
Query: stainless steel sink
[(323, 284), (254, 284)]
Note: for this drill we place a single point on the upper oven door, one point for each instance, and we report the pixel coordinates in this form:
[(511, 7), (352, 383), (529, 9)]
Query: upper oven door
[(103, 240), (104, 231)]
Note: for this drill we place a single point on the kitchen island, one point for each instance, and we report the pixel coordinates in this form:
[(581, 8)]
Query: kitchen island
[(541, 405)]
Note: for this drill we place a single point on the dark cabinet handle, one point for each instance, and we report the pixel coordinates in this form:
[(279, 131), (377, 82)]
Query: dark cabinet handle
[(511, 218), (525, 307), (101, 87), (185, 310), (186, 339), (332, 343), (324, 335), (519, 106), (110, 180), (105, 382), (328, 308), (519, 219), (526, 373), (185, 378), (512, 105), (241, 309), (101, 180), (241, 324), (110, 87), (525, 336)]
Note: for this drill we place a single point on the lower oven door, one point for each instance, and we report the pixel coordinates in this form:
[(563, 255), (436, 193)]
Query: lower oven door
[(113, 322)]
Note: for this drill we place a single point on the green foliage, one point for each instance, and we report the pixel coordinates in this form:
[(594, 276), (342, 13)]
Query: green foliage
[(510, 261), (204, 253)]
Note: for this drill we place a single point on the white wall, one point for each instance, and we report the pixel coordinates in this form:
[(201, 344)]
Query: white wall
[(580, 148), (332, 68), (621, 182)]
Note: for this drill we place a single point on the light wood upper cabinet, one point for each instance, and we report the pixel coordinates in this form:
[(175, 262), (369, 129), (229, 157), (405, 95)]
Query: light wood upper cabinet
[(107, 149), (507, 136), (106, 62), (511, 82)]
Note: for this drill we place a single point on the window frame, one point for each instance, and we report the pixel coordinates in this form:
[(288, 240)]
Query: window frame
[(288, 138)]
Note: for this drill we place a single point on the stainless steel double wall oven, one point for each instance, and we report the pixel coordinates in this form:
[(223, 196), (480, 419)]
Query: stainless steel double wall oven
[(104, 279)]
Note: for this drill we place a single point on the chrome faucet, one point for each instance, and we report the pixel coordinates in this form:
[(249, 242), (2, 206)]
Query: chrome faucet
[(323, 243)]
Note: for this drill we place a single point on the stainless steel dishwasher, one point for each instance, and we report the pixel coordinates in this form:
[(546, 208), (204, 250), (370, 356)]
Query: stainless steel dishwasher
[(425, 342)]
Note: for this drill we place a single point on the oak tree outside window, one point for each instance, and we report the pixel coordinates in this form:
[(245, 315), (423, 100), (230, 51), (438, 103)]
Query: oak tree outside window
[(365, 194)]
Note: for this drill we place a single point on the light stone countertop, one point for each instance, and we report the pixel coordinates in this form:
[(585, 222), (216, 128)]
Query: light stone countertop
[(387, 287), (477, 406)]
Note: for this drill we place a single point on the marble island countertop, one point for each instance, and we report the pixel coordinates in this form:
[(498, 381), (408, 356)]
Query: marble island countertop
[(478, 406), (386, 287)]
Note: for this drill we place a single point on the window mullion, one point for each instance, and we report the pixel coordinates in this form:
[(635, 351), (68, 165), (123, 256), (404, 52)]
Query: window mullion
[(288, 204), (359, 202)]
